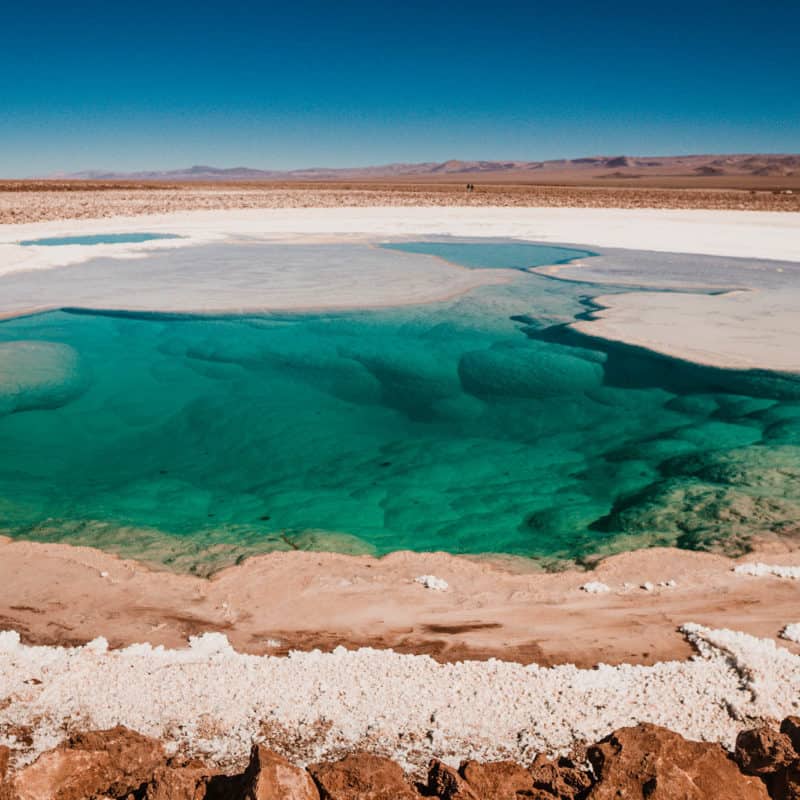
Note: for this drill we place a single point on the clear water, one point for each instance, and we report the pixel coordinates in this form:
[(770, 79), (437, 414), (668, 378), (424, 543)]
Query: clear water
[(493, 255), (100, 238), (480, 425)]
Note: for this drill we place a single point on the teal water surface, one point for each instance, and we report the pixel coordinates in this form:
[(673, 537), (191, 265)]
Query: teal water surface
[(479, 425), (100, 238), (492, 254)]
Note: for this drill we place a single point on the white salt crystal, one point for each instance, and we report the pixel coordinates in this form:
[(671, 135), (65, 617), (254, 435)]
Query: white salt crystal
[(792, 632), (432, 582), (596, 587), (758, 569)]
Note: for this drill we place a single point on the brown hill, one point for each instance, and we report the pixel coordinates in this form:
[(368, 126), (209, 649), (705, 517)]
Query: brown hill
[(666, 170)]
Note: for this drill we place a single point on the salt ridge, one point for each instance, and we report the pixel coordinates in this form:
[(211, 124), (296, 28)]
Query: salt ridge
[(759, 569), (211, 701)]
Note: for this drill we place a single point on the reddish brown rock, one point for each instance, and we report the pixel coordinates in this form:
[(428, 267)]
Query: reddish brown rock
[(59, 775), (179, 782), (496, 780), (652, 763), (362, 776), (5, 754), (134, 757), (791, 728), (444, 782), (763, 751), (561, 779), (271, 777), (785, 785), (113, 762)]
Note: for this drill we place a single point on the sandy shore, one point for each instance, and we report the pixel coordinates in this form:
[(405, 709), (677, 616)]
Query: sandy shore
[(754, 328), (210, 701), (507, 609), (215, 697)]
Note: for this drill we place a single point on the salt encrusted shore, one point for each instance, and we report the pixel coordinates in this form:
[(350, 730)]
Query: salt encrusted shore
[(751, 329), (212, 702), (449, 607), (743, 234)]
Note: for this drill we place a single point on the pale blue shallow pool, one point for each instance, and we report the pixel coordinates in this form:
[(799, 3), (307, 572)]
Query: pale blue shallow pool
[(493, 255), (100, 238)]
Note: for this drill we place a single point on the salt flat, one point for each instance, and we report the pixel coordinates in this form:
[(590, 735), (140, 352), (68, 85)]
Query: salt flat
[(754, 329), (746, 234), (241, 277)]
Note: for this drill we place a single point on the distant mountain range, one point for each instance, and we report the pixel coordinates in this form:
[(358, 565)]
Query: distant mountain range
[(596, 167)]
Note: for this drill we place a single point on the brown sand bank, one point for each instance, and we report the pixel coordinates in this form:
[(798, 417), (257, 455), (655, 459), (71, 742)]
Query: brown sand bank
[(59, 594), (36, 201)]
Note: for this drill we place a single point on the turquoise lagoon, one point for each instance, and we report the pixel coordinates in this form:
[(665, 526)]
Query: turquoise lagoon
[(478, 425), (99, 238)]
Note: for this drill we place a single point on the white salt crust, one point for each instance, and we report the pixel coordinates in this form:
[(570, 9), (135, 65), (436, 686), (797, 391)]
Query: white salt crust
[(211, 701), (432, 582), (791, 632), (759, 569), (596, 587)]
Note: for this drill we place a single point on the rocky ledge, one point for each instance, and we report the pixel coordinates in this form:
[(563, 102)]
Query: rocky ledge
[(643, 762)]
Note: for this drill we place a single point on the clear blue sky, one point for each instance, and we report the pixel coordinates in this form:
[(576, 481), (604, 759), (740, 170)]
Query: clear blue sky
[(134, 85)]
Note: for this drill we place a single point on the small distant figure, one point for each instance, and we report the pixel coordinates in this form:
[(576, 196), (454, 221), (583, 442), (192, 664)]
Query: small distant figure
[(470, 187)]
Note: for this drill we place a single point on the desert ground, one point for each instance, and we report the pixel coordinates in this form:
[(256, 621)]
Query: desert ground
[(34, 201)]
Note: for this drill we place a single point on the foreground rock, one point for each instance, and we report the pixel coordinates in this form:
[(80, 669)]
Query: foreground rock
[(763, 751), (362, 776), (791, 728), (785, 784), (446, 783), (271, 777), (113, 762), (497, 780), (561, 779), (645, 762), (180, 782), (651, 763), (774, 756)]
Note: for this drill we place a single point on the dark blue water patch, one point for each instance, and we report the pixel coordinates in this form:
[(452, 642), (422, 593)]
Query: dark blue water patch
[(493, 255), (99, 238)]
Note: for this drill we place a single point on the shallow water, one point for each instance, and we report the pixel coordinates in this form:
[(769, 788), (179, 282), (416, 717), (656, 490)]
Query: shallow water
[(493, 254), (478, 425), (100, 238)]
